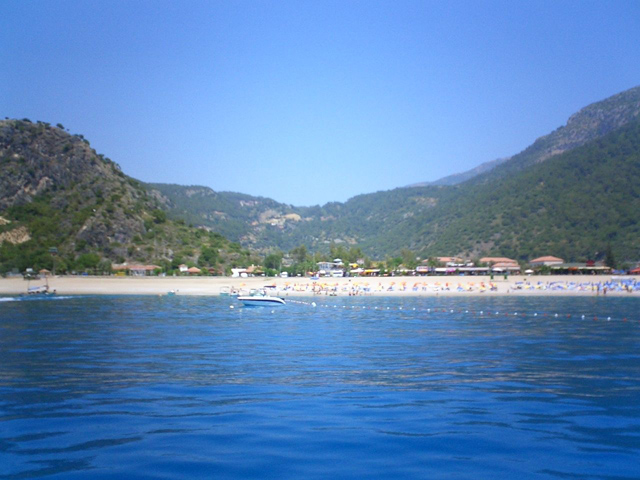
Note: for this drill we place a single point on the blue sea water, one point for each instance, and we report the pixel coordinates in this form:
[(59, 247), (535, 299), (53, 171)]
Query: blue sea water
[(412, 388)]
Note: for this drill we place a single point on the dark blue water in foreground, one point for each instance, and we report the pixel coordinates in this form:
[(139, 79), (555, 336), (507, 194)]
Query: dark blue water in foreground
[(182, 388)]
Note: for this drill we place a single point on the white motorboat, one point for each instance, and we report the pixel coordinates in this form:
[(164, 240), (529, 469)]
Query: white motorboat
[(229, 292), (260, 298), (40, 289)]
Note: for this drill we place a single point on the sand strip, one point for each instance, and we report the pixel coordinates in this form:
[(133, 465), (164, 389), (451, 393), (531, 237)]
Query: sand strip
[(578, 285)]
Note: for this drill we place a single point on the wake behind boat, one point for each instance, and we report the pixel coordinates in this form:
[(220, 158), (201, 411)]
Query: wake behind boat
[(260, 298)]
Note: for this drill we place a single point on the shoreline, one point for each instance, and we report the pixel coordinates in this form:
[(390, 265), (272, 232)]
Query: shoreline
[(429, 286)]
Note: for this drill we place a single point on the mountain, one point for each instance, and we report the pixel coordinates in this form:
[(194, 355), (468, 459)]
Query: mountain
[(572, 193), (540, 201), (56, 192), (573, 206), (237, 216), (264, 224), (589, 123), (464, 176)]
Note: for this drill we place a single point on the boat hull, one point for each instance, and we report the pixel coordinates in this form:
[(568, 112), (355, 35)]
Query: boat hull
[(261, 301)]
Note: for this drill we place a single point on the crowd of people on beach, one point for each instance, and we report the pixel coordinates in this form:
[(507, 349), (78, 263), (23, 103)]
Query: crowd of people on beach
[(355, 288), (366, 288), (621, 285)]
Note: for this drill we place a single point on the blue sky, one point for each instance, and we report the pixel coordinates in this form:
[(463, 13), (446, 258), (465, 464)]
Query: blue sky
[(310, 102)]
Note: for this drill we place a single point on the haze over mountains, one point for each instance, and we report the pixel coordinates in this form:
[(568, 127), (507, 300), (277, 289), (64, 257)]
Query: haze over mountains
[(571, 193)]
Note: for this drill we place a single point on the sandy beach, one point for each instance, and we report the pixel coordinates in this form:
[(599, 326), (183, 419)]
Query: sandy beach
[(375, 286)]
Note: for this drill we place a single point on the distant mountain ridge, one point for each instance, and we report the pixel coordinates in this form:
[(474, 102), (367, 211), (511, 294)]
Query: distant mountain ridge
[(237, 216), (589, 123), (457, 178), (438, 219)]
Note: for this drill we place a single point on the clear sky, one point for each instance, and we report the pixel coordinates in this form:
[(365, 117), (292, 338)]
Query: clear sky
[(307, 102)]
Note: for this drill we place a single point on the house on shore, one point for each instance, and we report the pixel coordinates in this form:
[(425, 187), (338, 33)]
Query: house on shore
[(331, 269), (546, 261), (135, 270), (449, 261), (574, 268), (511, 267), (501, 264), (239, 272)]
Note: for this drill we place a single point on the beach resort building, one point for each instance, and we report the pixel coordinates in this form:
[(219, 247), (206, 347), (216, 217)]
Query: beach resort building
[(239, 272), (589, 267), (546, 261), (254, 270), (493, 260), (331, 269), (505, 267), (135, 269), (501, 264), (450, 261)]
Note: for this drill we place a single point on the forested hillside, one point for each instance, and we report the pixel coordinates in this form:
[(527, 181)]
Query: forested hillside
[(60, 200), (571, 194), (572, 206)]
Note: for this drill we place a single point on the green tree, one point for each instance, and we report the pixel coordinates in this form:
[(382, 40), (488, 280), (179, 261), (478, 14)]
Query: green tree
[(409, 258), (609, 258), (209, 256), (104, 267), (273, 261), (299, 253), (159, 216), (354, 254), (338, 251), (88, 261), (393, 263), (60, 265)]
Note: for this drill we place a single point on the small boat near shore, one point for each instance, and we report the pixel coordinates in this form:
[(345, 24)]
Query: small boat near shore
[(260, 298), (40, 289), (229, 292)]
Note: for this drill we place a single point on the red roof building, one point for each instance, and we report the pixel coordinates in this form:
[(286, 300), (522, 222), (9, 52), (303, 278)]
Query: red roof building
[(505, 267), (494, 260), (548, 260)]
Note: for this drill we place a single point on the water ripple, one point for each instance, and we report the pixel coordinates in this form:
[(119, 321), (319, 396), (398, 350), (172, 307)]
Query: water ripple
[(177, 387)]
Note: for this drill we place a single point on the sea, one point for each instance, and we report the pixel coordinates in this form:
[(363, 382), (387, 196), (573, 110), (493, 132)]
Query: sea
[(174, 387)]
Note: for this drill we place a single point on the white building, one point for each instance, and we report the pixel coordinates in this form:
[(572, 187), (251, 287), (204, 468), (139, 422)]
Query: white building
[(331, 269)]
